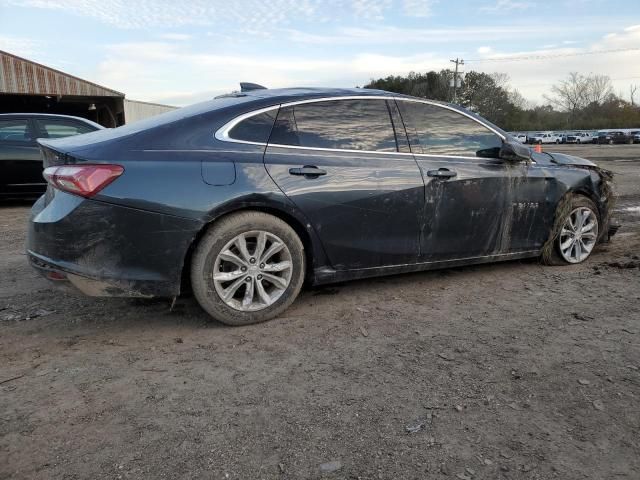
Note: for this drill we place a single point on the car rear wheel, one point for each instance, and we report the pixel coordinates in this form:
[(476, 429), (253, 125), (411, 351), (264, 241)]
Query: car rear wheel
[(248, 268), (575, 233)]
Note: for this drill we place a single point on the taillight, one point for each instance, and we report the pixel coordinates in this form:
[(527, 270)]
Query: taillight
[(84, 180)]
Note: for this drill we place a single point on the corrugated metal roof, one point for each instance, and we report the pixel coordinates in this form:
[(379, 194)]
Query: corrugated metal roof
[(21, 76)]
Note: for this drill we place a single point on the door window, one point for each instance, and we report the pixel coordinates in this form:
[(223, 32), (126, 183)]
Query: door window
[(14, 131), (336, 124), (439, 131), (61, 128)]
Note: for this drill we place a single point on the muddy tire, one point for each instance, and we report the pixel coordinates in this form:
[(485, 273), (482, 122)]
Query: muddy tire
[(248, 268), (575, 232)]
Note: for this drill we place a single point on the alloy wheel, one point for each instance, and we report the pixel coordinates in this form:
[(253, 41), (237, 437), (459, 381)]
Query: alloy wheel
[(252, 271), (578, 235)]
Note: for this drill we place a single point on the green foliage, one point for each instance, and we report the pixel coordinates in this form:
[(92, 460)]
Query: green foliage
[(491, 97)]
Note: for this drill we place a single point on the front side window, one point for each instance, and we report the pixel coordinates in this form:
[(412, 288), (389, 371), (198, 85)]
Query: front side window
[(256, 128), (14, 131), (60, 128), (336, 124), (439, 131)]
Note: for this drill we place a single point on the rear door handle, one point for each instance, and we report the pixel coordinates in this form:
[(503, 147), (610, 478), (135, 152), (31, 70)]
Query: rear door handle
[(307, 171), (442, 173)]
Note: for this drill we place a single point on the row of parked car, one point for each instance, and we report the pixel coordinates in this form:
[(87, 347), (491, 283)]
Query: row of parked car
[(609, 137)]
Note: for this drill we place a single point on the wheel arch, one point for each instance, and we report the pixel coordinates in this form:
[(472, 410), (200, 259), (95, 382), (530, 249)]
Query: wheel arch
[(314, 253)]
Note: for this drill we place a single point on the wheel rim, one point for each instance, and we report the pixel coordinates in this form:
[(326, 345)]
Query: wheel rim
[(252, 271), (578, 235)]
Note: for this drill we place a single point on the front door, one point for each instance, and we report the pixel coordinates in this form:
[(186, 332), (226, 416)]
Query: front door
[(339, 162), (476, 204), (19, 153)]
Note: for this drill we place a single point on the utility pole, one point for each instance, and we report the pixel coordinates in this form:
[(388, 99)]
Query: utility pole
[(457, 61)]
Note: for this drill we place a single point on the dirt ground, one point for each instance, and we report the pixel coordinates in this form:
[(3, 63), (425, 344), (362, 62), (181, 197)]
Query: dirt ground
[(504, 371)]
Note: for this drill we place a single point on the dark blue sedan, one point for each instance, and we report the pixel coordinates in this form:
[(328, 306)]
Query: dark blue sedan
[(244, 198)]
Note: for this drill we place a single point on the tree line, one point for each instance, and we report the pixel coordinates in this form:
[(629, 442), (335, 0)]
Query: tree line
[(578, 102)]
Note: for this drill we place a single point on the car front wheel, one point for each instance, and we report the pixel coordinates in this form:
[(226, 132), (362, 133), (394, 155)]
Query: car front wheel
[(249, 267), (575, 232)]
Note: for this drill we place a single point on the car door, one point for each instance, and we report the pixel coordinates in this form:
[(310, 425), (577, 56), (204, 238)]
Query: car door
[(476, 204), (339, 161), (18, 150)]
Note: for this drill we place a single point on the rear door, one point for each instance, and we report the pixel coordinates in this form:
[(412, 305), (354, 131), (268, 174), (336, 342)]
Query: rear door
[(361, 190), (18, 151), (476, 204)]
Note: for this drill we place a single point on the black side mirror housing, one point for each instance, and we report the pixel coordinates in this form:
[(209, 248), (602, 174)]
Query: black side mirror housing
[(514, 151)]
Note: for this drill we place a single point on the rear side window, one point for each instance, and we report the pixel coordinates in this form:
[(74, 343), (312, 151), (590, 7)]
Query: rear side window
[(336, 124), (256, 128), (14, 131), (61, 128), (439, 131)]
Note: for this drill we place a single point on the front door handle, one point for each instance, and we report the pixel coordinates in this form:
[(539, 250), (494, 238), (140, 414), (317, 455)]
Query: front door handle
[(308, 171), (442, 173)]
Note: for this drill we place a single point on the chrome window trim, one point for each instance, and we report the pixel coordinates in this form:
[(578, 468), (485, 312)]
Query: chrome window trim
[(222, 133)]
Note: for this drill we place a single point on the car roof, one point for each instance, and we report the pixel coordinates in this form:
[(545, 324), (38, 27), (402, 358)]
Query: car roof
[(312, 92), (49, 115), (233, 105)]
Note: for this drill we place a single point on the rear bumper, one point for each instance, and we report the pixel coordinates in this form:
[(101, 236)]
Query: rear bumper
[(104, 249)]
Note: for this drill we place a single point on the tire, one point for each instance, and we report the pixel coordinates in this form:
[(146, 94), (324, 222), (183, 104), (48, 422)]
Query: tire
[(552, 253), (610, 142), (224, 235)]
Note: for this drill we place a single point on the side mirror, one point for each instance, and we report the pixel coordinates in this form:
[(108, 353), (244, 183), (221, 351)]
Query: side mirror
[(514, 152)]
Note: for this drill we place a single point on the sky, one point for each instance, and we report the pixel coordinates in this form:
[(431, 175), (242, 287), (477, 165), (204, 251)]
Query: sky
[(180, 52)]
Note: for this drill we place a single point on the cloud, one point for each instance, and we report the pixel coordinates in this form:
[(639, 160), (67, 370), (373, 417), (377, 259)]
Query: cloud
[(180, 37), (172, 72), (386, 35), (534, 77), (21, 46), (507, 5), (418, 8), (250, 15)]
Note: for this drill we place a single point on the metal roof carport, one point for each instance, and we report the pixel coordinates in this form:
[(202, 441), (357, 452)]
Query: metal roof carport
[(29, 87)]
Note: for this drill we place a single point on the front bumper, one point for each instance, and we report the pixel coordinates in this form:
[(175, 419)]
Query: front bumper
[(103, 249)]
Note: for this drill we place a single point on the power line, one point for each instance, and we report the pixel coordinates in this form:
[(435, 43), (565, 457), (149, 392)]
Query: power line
[(558, 55), (541, 84)]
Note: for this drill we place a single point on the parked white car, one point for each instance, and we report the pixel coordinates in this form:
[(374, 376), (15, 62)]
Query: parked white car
[(579, 137), (521, 137), (544, 137)]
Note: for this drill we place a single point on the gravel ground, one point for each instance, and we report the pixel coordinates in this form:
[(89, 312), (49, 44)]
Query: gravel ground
[(502, 371)]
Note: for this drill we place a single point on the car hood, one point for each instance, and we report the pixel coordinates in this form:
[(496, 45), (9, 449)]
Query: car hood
[(563, 159)]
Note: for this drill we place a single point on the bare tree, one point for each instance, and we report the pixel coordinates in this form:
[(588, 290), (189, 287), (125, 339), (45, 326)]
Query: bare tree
[(570, 94), (516, 98), (578, 91), (598, 89), (632, 92), (501, 79)]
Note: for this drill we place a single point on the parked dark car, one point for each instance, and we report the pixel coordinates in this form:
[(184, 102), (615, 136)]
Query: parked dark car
[(614, 138), (245, 197), (20, 159)]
